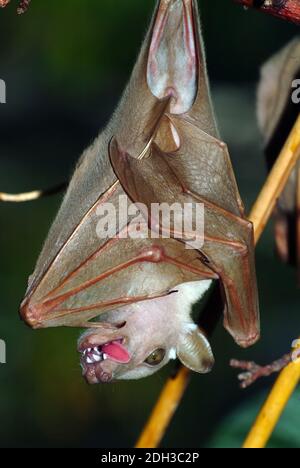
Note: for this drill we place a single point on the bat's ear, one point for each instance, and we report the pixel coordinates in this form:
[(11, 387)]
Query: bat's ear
[(172, 60), (194, 351)]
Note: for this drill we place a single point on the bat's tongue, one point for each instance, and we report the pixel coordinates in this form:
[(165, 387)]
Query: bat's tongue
[(116, 351)]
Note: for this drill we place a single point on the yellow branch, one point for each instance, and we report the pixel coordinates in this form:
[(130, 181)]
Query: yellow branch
[(164, 410), (173, 392)]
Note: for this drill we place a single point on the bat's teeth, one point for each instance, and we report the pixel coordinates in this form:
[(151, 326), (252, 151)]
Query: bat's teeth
[(92, 355), (105, 356)]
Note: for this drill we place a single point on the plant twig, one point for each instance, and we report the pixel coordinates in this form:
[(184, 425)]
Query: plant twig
[(31, 196), (169, 401), (288, 10), (273, 408)]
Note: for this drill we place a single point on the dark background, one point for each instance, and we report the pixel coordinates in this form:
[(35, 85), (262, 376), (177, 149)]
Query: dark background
[(65, 64)]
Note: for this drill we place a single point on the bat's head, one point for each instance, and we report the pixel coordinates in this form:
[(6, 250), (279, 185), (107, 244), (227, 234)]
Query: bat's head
[(140, 339)]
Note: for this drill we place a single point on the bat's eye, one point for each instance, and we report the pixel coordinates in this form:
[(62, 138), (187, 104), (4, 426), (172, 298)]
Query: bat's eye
[(156, 357)]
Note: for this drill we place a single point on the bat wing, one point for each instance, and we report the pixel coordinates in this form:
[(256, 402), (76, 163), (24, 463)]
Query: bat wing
[(200, 172), (134, 123), (97, 271)]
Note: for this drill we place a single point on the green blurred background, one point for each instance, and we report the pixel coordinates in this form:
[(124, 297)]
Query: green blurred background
[(65, 64)]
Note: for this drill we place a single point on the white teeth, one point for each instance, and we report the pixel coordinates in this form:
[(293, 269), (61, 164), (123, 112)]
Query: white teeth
[(93, 355)]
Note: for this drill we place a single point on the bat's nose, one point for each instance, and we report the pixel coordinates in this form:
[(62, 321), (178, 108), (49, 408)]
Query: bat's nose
[(96, 375), (102, 376)]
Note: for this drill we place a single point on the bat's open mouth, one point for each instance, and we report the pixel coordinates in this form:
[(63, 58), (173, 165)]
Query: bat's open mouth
[(114, 350), (94, 359)]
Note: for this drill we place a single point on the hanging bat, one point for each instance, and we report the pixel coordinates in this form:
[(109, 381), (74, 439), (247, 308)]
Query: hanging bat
[(134, 293), (278, 106), (278, 109)]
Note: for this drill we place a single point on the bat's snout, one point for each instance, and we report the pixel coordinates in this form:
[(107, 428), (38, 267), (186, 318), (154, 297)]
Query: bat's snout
[(100, 358)]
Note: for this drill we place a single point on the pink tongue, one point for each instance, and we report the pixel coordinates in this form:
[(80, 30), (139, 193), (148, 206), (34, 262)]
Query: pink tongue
[(116, 352)]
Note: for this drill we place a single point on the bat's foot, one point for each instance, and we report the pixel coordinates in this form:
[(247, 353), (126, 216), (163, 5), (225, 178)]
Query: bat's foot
[(3, 3), (253, 371), (23, 5)]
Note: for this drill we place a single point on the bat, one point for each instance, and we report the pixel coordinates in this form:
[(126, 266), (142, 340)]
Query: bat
[(278, 108), (132, 286)]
